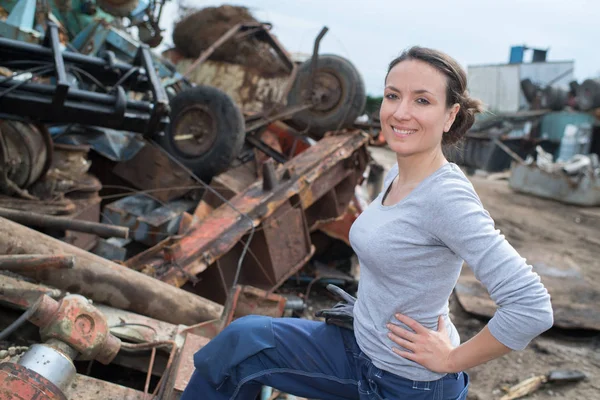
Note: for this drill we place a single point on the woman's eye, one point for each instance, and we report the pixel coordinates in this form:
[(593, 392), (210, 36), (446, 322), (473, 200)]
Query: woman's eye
[(391, 96), (421, 100)]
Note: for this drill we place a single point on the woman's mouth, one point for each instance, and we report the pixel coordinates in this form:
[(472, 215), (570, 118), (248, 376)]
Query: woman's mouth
[(403, 132)]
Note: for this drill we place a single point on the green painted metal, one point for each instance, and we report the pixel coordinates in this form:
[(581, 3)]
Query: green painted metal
[(552, 126)]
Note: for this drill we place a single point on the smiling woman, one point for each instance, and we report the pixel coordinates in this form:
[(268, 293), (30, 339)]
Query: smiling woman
[(411, 243)]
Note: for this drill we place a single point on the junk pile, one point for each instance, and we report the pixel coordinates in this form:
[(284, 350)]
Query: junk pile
[(146, 204), (561, 126)]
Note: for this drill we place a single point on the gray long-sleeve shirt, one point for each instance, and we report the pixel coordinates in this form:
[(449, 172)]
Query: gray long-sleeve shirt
[(411, 255)]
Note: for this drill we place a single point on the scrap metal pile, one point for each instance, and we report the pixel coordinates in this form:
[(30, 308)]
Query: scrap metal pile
[(551, 148), (146, 203)]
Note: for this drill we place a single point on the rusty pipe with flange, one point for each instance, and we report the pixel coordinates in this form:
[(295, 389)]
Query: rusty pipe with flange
[(69, 328), (75, 322)]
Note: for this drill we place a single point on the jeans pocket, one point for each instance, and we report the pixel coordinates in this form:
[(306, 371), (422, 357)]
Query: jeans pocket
[(465, 391)]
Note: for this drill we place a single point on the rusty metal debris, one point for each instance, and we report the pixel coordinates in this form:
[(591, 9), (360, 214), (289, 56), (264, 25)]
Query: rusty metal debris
[(121, 286), (176, 197)]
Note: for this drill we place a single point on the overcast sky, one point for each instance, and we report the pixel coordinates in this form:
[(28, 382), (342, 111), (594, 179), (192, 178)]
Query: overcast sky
[(372, 32)]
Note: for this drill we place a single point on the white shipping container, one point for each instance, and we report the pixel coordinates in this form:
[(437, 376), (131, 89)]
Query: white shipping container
[(499, 86)]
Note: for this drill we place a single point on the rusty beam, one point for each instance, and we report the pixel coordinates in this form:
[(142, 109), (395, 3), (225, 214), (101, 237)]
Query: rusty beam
[(33, 262), (333, 161), (22, 294), (107, 282), (63, 223)]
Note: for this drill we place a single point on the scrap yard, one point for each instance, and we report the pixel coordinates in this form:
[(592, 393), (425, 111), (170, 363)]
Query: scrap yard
[(151, 195)]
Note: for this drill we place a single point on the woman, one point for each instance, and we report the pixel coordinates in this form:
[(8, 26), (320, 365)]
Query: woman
[(411, 243)]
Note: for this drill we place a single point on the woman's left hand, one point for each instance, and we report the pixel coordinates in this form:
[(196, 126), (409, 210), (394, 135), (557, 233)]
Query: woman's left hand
[(429, 348)]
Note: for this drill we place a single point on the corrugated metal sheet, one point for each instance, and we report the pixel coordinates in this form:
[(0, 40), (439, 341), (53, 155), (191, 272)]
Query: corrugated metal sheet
[(499, 86), (496, 85)]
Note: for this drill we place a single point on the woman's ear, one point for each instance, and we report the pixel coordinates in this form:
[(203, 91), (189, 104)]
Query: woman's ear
[(451, 117)]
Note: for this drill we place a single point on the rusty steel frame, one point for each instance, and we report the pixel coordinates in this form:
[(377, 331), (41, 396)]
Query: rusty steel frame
[(309, 177)]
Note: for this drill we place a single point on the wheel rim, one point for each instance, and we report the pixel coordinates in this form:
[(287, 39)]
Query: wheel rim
[(195, 130), (328, 92)]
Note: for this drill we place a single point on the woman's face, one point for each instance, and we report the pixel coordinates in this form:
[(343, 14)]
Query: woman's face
[(413, 113)]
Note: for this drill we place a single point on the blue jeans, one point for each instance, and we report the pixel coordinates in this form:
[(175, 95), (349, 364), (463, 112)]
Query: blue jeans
[(304, 358)]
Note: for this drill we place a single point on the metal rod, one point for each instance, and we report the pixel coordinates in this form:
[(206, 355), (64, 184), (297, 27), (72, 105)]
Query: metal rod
[(508, 151), (62, 84), (17, 50), (314, 60), (34, 262), (265, 148), (206, 53), (47, 221), (17, 323), (284, 114)]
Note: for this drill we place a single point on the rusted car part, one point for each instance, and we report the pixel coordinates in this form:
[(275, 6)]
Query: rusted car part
[(17, 380), (63, 223), (63, 103), (33, 262), (121, 287), (25, 155), (153, 171), (315, 185), (150, 221), (70, 328)]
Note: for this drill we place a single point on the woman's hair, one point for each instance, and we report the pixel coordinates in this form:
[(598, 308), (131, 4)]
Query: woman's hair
[(456, 88)]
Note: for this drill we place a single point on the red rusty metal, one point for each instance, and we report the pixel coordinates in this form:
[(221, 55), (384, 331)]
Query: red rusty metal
[(244, 300), (340, 228), (77, 323), (33, 262), (185, 367), (20, 383), (21, 293), (291, 143), (334, 162)]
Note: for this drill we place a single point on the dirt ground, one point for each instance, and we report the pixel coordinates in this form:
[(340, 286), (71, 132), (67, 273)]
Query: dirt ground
[(547, 232), (555, 234)]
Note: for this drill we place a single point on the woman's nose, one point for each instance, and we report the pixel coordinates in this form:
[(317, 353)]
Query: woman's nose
[(402, 111)]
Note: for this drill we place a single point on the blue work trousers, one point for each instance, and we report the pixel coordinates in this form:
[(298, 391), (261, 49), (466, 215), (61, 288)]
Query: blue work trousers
[(305, 358)]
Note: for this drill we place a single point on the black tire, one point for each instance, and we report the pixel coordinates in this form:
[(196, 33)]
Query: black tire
[(219, 130), (342, 103)]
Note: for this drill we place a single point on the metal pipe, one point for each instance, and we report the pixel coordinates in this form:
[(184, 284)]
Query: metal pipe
[(6, 332), (81, 95), (33, 262), (107, 282), (48, 221), (314, 60), (18, 50), (508, 151), (50, 363)]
